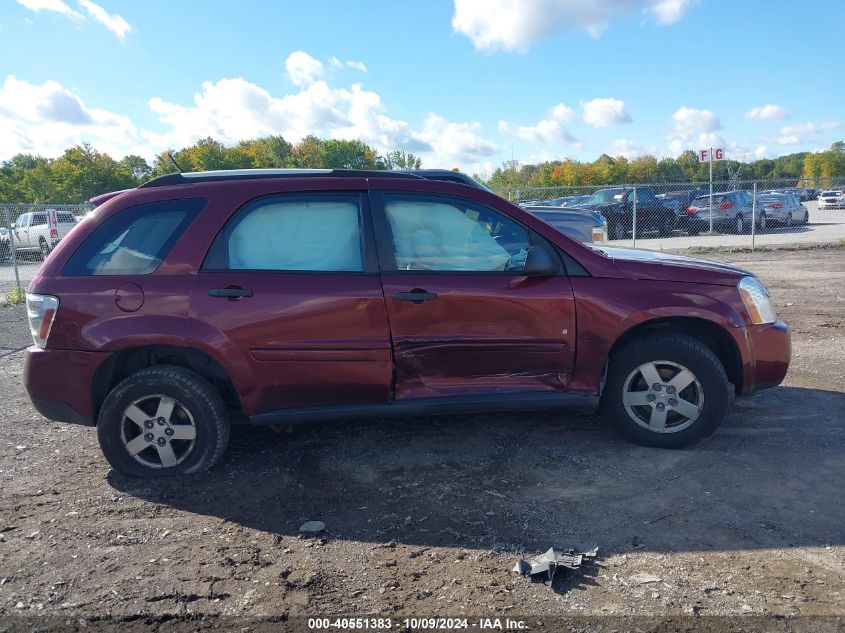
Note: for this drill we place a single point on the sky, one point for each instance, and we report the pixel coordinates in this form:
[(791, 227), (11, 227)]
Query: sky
[(463, 83)]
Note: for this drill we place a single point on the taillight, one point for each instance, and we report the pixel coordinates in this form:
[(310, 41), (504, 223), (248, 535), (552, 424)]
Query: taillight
[(726, 205), (41, 311), (54, 232), (690, 209), (776, 205)]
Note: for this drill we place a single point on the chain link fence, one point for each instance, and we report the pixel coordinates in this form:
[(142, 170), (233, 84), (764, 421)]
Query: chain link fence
[(681, 217), (28, 232), (740, 214)]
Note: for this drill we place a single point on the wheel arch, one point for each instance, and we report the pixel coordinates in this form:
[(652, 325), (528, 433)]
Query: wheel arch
[(124, 362), (712, 334)]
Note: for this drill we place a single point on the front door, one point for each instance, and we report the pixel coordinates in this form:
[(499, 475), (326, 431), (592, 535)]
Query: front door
[(464, 320), (292, 291)]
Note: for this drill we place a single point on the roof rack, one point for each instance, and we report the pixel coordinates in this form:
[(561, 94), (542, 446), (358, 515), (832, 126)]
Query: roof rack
[(253, 174)]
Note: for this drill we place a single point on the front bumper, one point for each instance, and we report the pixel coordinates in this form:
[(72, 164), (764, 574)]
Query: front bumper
[(770, 350), (59, 383)]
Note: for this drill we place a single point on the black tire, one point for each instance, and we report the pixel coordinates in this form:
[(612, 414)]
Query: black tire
[(739, 225), (43, 249), (5, 252), (761, 223), (191, 391), (692, 232), (690, 353), (616, 229), (667, 224), (806, 220)]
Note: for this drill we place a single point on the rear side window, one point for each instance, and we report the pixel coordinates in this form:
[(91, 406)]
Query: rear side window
[(66, 218), (319, 233), (38, 219), (134, 241)]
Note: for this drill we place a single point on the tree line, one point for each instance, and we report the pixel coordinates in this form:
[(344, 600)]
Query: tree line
[(813, 167), (82, 172)]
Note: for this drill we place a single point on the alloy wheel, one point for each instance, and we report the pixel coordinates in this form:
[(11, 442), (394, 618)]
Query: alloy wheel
[(663, 396), (158, 431)]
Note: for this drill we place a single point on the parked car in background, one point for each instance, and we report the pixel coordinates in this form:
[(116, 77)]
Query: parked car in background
[(5, 247), (784, 209), (616, 204), (812, 194), (680, 200), (32, 234), (832, 199), (568, 201), (202, 301), (732, 211), (589, 227)]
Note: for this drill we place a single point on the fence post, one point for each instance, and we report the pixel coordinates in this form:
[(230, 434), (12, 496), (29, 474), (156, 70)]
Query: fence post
[(634, 221), (753, 215), (12, 254)]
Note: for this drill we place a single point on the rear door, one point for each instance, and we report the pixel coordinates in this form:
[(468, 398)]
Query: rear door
[(464, 320), (291, 290)]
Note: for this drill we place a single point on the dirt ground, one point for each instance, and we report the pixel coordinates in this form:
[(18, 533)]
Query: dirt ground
[(426, 517)]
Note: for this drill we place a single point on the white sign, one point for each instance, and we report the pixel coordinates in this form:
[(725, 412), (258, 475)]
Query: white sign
[(704, 154)]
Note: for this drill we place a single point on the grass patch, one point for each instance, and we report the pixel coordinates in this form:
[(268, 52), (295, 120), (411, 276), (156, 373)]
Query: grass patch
[(727, 250), (14, 297)]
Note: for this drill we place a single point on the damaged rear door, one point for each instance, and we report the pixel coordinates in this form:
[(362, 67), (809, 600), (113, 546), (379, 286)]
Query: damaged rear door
[(464, 319)]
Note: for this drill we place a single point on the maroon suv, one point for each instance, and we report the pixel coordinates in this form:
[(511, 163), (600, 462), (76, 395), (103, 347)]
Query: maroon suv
[(198, 301)]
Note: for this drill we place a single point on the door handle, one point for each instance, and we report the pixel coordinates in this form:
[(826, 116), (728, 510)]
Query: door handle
[(233, 292), (415, 296)]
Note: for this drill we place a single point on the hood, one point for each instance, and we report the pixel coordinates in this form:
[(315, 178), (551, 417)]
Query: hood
[(643, 264)]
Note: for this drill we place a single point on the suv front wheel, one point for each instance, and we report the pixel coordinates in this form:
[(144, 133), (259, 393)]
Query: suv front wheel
[(163, 421), (666, 390)]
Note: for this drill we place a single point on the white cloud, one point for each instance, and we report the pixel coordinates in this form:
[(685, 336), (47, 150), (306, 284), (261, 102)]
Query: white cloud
[(768, 112), (549, 130), (669, 11), (112, 21), (337, 64), (46, 119), (57, 6), (513, 25), (604, 112), (694, 128), (562, 112), (302, 69), (803, 133), (629, 149), (504, 127)]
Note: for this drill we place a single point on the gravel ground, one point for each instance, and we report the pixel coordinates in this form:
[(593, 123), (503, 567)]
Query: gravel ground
[(426, 517)]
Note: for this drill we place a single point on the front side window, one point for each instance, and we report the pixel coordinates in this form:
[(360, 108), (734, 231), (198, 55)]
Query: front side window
[(446, 234), (135, 240), (292, 233)]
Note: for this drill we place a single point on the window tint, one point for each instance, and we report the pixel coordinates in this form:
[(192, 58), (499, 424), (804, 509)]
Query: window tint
[(21, 221), (66, 218), (136, 240), (294, 233), (38, 219), (452, 235)]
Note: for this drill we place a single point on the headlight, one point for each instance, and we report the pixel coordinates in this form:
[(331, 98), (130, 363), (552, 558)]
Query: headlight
[(757, 302)]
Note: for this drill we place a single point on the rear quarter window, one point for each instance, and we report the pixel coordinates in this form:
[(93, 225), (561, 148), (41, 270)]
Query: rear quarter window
[(135, 240)]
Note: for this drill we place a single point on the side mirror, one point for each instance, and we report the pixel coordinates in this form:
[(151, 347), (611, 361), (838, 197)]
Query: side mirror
[(540, 262)]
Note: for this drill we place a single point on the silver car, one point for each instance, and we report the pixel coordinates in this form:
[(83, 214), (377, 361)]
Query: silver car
[(782, 208)]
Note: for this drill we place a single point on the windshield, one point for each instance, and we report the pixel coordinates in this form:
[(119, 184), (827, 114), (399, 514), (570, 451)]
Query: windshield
[(603, 196)]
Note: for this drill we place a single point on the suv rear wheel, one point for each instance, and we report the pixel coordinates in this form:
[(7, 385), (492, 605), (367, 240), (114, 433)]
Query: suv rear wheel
[(162, 421), (666, 390)]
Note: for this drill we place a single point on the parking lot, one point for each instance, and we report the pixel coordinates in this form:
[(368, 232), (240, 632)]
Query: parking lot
[(429, 515)]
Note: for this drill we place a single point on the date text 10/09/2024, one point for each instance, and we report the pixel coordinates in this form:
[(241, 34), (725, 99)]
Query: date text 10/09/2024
[(416, 624)]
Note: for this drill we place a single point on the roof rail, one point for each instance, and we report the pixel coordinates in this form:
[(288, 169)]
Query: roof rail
[(253, 174)]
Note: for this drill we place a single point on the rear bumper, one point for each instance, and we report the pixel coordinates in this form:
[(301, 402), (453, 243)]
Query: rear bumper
[(59, 383), (770, 348)]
